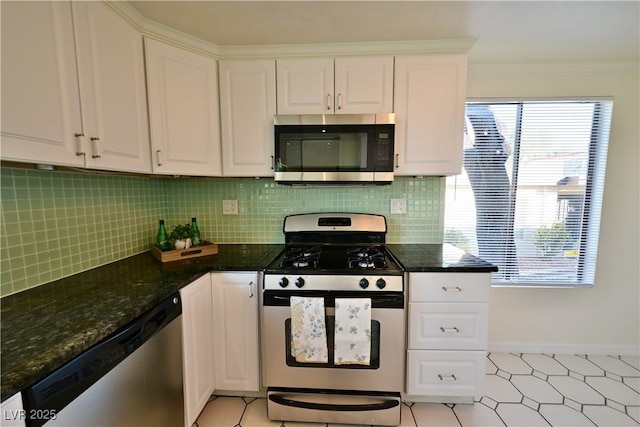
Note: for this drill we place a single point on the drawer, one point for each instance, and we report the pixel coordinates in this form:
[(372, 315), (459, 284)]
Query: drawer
[(449, 287), (436, 326), (446, 373)]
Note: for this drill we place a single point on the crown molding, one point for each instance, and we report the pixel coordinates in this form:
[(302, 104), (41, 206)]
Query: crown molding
[(356, 48), (160, 32)]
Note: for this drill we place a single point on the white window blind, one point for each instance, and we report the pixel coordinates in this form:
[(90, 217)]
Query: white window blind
[(530, 195)]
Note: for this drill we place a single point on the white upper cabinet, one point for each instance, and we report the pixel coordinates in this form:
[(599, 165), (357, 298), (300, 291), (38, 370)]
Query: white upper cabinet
[(183, 111), (112, 89), (348, 85), (47, 106), (247, 107), (429, 107), (364, 85), (40, 99), (305, 86)]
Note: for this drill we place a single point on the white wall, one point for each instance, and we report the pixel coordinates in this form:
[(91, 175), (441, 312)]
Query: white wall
[(603, 319)]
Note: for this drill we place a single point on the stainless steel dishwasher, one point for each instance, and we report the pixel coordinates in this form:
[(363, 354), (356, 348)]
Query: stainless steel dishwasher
[(131, 378)]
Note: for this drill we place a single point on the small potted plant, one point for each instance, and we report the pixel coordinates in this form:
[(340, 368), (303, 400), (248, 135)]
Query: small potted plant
[(181, 236)]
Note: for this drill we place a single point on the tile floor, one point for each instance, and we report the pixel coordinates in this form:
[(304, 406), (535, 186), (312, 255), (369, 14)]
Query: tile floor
[(521, 390)]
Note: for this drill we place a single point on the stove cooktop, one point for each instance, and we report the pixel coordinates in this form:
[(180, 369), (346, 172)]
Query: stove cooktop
[(334, 252), (335, 259)]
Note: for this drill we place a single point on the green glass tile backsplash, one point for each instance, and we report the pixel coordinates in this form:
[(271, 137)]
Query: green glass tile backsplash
[(55, 224)]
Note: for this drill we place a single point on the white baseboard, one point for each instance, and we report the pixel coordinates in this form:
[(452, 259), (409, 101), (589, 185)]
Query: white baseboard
[(588, 349)]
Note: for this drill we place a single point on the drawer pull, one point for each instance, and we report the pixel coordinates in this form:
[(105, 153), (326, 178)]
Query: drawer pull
[(451, 289), (447, 377), (454, 329)]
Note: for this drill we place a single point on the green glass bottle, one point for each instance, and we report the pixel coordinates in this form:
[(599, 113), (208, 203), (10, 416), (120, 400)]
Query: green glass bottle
[(195, 233), (162, 239)]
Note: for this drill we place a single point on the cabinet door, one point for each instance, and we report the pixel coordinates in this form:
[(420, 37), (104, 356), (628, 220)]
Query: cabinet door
[(364, 85), (183, 111), (429, 107), (305, 86), (247, 107), (235, 302), (112, 89), (197, 346), (40, 99)]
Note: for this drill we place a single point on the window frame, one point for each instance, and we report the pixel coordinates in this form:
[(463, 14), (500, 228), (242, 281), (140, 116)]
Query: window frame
[(593, 192)]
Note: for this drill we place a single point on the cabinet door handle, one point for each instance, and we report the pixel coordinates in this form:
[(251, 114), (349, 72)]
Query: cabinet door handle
[(250, 289), (449, 330), (273, 162), (447, 377), (328, 102), (339, 101), (79, 144), (94, 147), (397, 161), (158, 156), (452, 288)]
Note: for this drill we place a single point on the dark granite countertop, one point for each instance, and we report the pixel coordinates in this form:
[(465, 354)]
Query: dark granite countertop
[(438, 257), (44, 327)]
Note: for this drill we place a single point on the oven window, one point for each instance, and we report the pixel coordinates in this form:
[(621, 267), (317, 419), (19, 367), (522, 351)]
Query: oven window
[(330, 322)]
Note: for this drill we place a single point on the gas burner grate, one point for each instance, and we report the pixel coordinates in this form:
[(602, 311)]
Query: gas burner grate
[(301, 257), (369, 258)]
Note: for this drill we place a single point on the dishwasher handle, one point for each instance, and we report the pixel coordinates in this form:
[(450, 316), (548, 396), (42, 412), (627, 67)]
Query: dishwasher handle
[(62, 386)]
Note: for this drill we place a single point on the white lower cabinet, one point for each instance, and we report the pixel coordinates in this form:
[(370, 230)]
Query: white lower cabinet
[(447, 336), (13, 414), (461, 326), (235, 312), (197, 346), (445, 373)]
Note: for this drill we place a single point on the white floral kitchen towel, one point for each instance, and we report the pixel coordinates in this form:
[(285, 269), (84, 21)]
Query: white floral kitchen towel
[(353, 331), (308, 330)]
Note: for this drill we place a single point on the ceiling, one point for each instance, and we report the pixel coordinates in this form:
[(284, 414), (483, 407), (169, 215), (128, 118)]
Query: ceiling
[(506, 31)]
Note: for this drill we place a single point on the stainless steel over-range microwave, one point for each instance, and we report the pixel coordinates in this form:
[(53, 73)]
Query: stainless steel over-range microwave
[(341, 148)]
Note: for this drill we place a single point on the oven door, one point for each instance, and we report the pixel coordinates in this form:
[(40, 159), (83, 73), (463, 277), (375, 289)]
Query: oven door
[(385, 371)]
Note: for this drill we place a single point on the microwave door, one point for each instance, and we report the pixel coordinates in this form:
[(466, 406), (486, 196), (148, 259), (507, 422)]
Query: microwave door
[(291, 155), (320, 154)]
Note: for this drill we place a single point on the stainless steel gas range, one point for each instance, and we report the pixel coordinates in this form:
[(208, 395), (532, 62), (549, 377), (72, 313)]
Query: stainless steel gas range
[(332, 322)]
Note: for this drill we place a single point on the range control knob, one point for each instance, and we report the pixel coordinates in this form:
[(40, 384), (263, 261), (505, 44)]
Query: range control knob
[(364, 283), (284, 282), (380, 283), (299, 282)]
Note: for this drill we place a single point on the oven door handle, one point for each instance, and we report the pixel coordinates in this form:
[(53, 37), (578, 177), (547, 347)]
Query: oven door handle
[(378, 300), (385, 404)]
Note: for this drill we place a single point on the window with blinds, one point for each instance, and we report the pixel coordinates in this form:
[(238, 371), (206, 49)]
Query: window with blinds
[(530, 195)]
